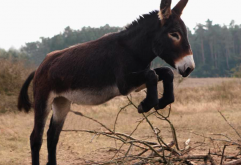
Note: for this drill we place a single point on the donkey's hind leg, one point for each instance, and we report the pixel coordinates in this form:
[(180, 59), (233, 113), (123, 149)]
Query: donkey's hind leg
[(61, 107), (42, 110)]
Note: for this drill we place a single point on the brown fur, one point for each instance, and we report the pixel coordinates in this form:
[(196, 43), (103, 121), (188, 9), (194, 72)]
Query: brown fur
[(115, 64)]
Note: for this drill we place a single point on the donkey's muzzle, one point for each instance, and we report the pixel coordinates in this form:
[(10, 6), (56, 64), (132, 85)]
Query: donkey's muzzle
[(185, 66), (187, 72)]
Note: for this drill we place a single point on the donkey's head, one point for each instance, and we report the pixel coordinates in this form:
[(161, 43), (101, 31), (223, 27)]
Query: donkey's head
[(171, 42)]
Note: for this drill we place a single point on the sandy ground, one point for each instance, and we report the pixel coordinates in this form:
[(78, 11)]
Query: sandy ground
[(195, 110)]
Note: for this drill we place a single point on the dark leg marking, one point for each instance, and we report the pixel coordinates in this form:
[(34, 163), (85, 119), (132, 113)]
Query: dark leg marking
[(166, 75), (36, 138), (151, 100), (61, 107)]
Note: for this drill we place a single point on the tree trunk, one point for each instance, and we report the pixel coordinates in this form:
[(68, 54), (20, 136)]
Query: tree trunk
[(202, 50), (227, 54), (211, 50)]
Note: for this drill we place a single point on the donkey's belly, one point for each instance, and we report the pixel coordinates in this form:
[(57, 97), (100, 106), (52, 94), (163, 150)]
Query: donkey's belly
[(91, 97)]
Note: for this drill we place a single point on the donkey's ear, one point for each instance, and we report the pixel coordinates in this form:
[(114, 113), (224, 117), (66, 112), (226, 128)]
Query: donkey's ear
[(180, 6), (165, 10)]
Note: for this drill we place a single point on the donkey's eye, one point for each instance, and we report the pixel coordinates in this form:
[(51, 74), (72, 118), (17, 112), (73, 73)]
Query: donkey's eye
[(174, 36)]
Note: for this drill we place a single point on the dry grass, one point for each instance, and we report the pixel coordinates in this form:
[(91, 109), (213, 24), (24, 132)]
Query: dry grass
[(12, 76), (195, 110)]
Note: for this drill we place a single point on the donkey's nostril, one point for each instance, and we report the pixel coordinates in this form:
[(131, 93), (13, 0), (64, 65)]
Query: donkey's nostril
[(188, 71), (185, 66)]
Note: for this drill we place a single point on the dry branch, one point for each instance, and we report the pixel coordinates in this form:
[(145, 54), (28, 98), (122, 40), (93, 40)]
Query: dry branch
[(235, 162), (229, 124), (159, 150), (223, 154)]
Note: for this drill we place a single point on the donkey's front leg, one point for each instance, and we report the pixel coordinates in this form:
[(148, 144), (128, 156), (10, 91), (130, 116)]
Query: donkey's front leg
[(166, 75), (151, 100)]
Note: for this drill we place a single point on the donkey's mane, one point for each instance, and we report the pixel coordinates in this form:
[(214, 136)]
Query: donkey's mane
[(153, 15)]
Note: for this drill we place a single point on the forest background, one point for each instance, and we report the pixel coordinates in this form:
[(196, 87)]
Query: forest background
[(216, 48)]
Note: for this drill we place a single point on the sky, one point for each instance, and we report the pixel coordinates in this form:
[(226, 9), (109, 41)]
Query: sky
[(23, 21)]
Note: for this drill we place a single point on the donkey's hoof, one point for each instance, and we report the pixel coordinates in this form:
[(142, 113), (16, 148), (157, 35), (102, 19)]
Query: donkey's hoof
[(140, 109), (51, 163), (163, 103), (159, 107)]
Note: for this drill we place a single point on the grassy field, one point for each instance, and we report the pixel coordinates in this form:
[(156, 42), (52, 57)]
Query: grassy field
[(195, 111)]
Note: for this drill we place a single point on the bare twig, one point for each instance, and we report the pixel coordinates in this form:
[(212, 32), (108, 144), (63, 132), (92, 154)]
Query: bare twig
[(219, 134), (128, 150), (174, 135), (229, 124), (236, 162), (214, 139), (211, 159), (223, 154), (235, 157), (119, 114), (80, 114), (130, 103), (161, 149), (157, 135), (158, 150), (190, 157)]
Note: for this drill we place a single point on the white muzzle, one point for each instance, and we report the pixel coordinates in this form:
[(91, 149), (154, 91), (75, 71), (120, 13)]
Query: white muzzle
[(185, 66)]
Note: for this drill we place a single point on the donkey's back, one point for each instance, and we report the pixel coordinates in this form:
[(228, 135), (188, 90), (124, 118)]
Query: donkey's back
[(80, 66)]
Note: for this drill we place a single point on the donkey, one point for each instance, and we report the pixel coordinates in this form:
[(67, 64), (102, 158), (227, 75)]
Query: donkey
[(94, 72)]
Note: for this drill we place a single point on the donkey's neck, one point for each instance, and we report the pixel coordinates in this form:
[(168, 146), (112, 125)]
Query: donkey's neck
[(138, 37)]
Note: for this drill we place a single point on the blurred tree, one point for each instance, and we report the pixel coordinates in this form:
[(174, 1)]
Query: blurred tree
[(216, 48)]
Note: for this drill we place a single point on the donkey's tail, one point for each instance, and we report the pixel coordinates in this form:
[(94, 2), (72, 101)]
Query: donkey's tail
[(23, 99)]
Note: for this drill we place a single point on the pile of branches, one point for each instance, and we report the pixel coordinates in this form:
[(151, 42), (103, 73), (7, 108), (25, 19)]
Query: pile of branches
[(158, 151)]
